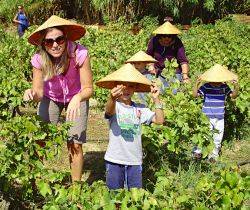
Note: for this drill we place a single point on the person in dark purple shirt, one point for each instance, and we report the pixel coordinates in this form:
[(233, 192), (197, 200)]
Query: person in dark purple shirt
[(167, 45)]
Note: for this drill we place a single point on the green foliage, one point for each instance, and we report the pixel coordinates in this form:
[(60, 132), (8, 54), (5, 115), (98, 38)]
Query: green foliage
[(15, 70), (36, 10), (224, 43), (20, 152), (104, 11), (220, 188), (166, 147)]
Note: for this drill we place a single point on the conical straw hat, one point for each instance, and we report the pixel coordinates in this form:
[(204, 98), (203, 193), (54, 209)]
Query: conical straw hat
[(141, 57), (218, 73), (167, 28), (72, 30), (127, 73)]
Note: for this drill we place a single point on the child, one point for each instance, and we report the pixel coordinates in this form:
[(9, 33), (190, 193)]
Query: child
[(124, 153), (215, 93), (140, 61)]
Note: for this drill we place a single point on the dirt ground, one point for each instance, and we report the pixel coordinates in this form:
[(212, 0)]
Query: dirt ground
[(94, 149)]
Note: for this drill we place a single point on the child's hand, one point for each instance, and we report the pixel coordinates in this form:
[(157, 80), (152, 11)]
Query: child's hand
[(234, 82), (152, 70), (117, 91), (198, 81), (155, 91)]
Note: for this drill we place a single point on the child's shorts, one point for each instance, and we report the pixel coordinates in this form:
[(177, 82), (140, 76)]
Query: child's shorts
[(123, 176)]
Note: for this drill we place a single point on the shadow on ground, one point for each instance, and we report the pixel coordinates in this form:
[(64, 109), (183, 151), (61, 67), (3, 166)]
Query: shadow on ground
[(94, 166)]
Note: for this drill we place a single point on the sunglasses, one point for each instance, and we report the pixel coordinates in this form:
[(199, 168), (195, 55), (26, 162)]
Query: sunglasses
[(50, 42)]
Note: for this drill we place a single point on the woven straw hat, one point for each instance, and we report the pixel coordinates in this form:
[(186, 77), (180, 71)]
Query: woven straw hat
[(127, 73), (73, 30), (141, 57), (167, 28), (218, 73)]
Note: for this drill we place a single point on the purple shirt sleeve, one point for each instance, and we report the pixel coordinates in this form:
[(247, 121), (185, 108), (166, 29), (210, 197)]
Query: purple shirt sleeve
[(150, 49), (181, 55)]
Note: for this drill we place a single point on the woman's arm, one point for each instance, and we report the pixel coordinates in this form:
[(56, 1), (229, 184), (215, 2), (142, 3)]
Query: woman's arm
[(15, 20), (182, 59), (37, 84), (185, 70), (150, 47), (86, 92), (36, 92), (86, 79)]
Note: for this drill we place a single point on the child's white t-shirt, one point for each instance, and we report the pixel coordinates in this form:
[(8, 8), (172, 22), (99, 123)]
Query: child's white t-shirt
[(125, 145)]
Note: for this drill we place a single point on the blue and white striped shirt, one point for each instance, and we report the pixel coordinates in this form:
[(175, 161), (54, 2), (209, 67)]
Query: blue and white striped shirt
[(214, 99)]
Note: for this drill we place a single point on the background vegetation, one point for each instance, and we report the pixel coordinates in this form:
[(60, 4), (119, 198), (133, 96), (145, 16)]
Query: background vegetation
[(103, 11), (171, 179)]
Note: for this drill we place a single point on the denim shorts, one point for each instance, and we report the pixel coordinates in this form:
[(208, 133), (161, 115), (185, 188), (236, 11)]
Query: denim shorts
[(123, 176)]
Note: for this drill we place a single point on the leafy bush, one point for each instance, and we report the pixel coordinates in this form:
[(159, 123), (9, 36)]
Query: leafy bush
[(20, 153), (165, 147), (36, 10)]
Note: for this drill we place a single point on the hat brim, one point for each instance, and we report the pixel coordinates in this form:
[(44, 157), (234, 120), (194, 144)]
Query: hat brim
[(111, 84), (218, 73), (167, 28), (143, 61), (72, 32), (211, 79)]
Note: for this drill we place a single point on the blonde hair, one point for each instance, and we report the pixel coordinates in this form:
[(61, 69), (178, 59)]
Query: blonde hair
[(49, 68)]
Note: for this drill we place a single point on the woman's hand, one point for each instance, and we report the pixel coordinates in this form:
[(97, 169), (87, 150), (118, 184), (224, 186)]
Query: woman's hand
[(28, 95), (73, 110), (185, 78), (116, 92)]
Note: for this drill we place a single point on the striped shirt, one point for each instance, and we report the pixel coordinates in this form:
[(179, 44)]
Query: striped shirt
[(214, 99)]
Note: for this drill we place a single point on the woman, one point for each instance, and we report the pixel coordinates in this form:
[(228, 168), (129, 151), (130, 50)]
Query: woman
[(22, 21), (166, 45), (62, 78)]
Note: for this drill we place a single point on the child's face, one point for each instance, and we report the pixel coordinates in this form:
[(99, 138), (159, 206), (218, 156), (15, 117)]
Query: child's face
[(128, 92), (216, 84), (140, 66)]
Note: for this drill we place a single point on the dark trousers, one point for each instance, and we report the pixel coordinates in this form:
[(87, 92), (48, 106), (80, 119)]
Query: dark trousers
[(123, 176)]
